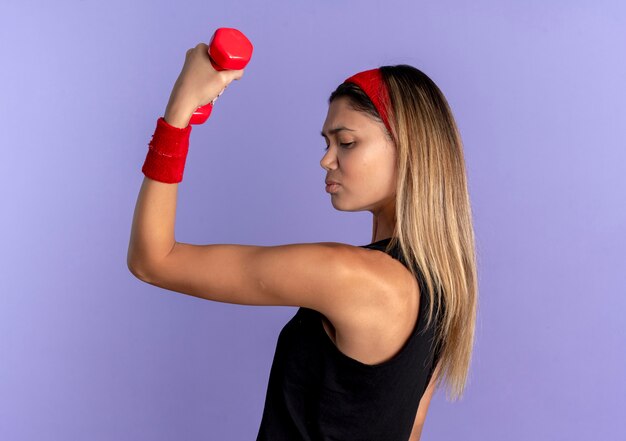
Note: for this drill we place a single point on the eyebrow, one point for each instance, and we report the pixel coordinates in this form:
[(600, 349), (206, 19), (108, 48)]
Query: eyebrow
[(335, 130)]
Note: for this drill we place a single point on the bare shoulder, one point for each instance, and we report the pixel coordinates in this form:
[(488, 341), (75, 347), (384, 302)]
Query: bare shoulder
[(380, 327), (382, 281)]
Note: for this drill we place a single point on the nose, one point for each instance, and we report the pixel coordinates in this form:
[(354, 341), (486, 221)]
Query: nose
[(327, 159)]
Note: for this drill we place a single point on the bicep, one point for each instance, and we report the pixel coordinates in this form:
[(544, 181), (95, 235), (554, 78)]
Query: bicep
[(314, 275), (220, 272)]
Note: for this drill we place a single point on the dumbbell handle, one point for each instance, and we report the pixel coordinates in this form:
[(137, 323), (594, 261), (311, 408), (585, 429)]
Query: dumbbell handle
[(228, 49)]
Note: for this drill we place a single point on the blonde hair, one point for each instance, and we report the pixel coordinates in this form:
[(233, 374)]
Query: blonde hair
[(433, 212)]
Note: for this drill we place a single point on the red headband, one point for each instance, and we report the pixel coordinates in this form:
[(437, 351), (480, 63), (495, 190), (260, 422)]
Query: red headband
[(371, 81)]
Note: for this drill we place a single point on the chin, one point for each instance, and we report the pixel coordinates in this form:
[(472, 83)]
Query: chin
[(342, 206)]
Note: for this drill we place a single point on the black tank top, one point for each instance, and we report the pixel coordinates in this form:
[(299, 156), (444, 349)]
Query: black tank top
[(316, 392)]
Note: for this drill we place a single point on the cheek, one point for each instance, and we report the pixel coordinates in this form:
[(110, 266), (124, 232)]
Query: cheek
[(376, 177), (362, 177), (369, 169)]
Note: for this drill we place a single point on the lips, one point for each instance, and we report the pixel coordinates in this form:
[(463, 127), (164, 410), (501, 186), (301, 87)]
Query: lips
[(332, 188), (331, 182)]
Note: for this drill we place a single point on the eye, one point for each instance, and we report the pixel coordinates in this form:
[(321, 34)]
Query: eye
[(343, 144)]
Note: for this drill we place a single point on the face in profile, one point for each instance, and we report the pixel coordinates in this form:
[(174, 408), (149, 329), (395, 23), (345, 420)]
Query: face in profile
[(359, 157)]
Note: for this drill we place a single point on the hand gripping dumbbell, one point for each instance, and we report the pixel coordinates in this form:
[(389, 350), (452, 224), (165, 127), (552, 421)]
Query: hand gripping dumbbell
[(228, 49)]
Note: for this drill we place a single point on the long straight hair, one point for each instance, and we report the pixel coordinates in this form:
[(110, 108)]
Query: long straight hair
[(433, 224)]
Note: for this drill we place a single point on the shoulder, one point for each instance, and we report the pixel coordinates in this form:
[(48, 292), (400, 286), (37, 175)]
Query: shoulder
[(372, 266), (376, 316), (377, 285)]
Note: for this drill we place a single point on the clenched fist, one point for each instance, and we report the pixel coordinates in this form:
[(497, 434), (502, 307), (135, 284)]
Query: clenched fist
[(198, 83)]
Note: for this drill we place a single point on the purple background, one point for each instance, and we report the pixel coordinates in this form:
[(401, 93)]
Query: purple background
[(89, 352)]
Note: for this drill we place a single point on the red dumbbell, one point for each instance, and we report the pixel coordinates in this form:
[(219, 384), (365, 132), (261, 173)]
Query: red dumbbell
[(228, 49)]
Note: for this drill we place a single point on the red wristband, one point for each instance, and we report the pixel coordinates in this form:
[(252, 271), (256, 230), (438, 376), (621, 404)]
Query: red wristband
[(167, 153)]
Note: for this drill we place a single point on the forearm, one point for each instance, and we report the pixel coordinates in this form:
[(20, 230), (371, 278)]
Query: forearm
[(152, 234)]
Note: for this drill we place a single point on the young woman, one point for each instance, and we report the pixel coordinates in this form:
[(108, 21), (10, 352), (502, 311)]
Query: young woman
[(379, 326)]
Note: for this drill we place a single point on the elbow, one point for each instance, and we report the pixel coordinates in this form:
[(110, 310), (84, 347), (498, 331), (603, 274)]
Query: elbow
[(143, 269), (130, 263), (135, 266), (142, 266), (135, 271), (134, 263)]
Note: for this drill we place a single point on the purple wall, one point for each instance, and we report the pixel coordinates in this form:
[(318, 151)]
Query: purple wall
[(89, 352)]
